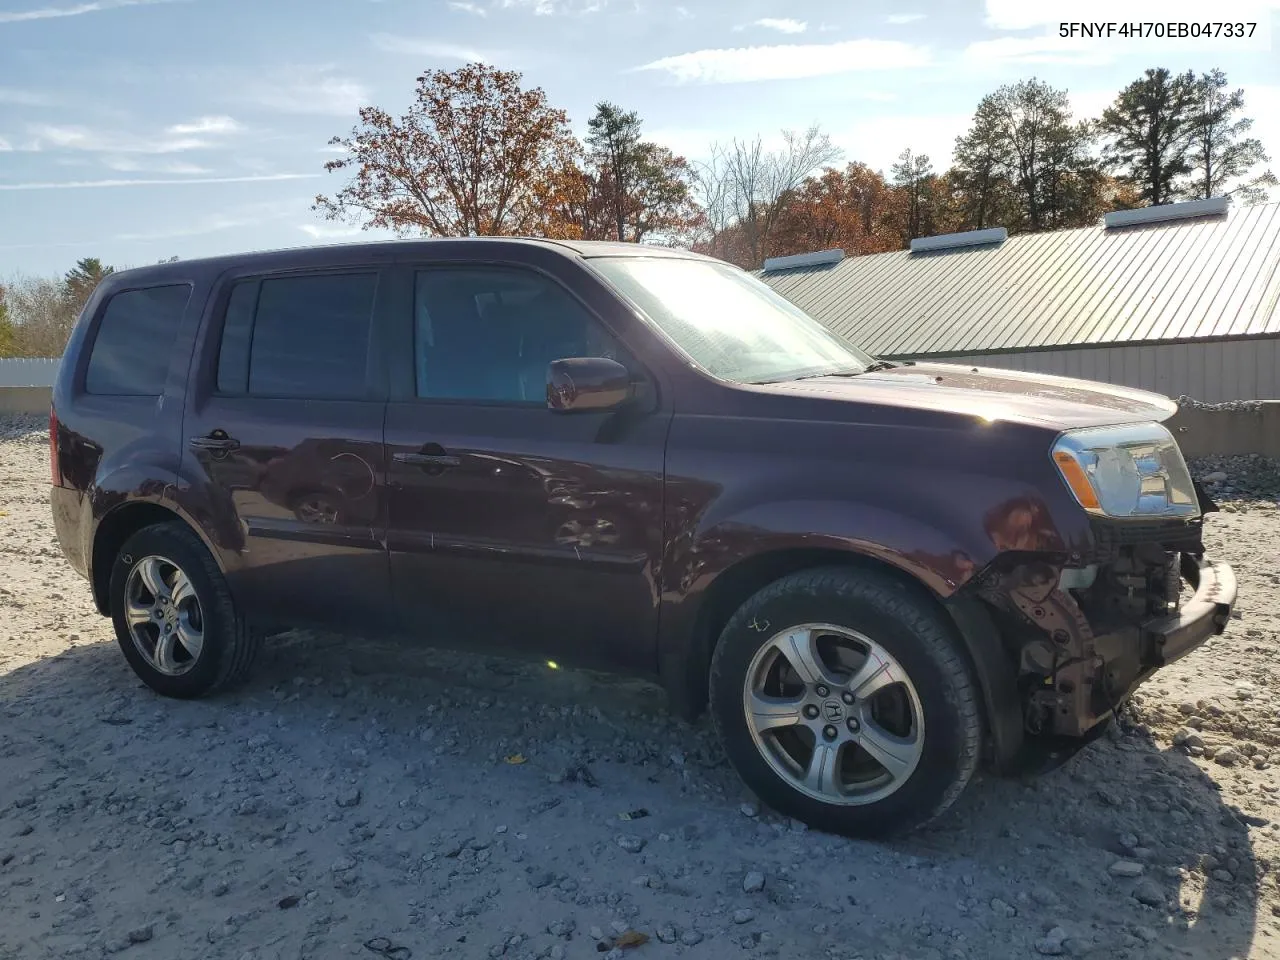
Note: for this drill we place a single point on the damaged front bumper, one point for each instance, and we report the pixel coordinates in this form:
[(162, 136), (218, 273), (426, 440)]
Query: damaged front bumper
[(1084, 637), (1205, 615)]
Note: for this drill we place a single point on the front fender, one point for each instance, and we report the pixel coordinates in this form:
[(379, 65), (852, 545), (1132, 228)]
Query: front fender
[(941, 559), (714, 570)]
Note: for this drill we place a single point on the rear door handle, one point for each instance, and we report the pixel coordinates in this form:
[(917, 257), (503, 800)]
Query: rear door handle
[(427, 459), (217, 441)]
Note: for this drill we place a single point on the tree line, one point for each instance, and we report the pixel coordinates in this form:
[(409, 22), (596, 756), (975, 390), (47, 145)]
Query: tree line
[(37, 313), (478, 154)]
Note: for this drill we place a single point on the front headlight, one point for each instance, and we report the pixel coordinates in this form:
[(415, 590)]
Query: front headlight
[(1134, 470)]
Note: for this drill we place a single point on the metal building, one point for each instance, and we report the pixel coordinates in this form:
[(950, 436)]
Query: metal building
[(1183, 299)]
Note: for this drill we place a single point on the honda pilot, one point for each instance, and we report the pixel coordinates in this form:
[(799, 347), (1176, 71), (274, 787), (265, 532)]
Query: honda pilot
[(875, 575)]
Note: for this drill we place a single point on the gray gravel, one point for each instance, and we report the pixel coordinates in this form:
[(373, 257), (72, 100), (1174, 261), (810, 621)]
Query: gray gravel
[(469, 807)]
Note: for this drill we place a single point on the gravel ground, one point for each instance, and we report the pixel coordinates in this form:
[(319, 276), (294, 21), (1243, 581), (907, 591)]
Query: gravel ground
[(475, 808)]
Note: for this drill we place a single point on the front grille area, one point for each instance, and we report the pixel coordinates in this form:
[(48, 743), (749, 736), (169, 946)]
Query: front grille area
[(1109, 536)]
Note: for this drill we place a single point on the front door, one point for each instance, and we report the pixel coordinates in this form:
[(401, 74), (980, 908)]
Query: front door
[(511, 526), (284, 432)]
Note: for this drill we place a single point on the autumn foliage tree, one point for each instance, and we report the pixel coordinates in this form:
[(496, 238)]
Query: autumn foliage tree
[(852, 209), (471, 157)]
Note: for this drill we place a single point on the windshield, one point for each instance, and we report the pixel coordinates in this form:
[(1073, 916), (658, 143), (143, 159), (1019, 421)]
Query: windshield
[(728, 322)]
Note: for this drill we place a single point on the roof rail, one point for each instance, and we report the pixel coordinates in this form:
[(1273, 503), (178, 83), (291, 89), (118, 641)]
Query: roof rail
[(820, 258), (1214, 206), (969, 238)]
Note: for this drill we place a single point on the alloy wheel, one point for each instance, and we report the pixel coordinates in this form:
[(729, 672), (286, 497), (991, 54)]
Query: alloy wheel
[(834, 714), (164, 616)]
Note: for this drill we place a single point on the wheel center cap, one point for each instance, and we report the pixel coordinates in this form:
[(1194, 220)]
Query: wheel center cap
[(833, 711)]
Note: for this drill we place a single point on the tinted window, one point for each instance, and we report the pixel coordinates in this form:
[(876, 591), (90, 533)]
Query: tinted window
[(489, 333), (233, 356), (301, 337), (132, 349)]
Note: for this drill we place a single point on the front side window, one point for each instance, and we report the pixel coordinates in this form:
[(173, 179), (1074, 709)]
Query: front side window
[(489, 333), (728, 322), (132, 349), (298, 337)]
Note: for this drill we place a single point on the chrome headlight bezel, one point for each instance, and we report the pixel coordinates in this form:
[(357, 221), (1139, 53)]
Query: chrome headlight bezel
[(1126, 472)]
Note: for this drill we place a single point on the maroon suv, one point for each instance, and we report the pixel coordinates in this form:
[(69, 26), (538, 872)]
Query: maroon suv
[(876, 574)]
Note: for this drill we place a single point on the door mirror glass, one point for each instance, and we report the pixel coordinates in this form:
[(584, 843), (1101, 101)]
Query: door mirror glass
[(587, 383)]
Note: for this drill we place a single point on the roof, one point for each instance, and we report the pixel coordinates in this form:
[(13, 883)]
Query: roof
[(374, 249), (1212, 277)]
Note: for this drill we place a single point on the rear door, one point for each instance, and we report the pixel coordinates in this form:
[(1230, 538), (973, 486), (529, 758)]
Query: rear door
[(512, 526), (283, 433)]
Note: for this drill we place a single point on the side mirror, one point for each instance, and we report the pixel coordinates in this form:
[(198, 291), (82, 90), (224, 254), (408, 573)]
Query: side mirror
[(580, 384)]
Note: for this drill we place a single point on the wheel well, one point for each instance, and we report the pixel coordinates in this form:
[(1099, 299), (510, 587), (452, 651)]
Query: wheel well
[(115, 528), (977, 633), (733, 587)]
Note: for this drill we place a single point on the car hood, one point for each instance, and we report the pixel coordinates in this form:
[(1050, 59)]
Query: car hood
[(992, 394)]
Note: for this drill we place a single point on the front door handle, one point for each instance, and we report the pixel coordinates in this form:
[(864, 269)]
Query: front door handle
[(217, 441), (427, 459)]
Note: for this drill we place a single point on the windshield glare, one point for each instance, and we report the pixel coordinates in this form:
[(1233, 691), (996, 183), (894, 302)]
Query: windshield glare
[(728, 322)]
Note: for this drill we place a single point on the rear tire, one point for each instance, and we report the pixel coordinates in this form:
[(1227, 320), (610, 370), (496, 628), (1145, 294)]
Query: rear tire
[(174, 617), (843, 699)]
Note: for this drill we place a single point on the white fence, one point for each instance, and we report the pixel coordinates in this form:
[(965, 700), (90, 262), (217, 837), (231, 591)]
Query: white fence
[(28, 371)]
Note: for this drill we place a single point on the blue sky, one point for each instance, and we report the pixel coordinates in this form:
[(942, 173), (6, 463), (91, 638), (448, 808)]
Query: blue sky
[(137, 129)]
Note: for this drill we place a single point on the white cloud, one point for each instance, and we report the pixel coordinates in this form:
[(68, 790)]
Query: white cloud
[(1088, 104), (472, 8), (325, 231), (901, 18), (389, 43), (683, 13), (308, 90), (94, 184), (47, 13), (549, 8), (244, 216), (46, 136), (877, 141), (24, 98), (1007, 50), (789, 61), (210, 125), (5, 146), (176, 168), (782, 25)]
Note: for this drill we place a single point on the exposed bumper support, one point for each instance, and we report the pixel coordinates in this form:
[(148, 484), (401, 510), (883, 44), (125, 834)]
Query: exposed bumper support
[(1203, 616)]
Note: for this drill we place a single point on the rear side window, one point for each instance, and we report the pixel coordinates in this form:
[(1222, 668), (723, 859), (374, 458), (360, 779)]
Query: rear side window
[(131, 351), (298, 337)]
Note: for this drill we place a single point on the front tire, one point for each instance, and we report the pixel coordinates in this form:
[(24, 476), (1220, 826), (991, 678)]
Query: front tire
[(843, 700), (175, 620)]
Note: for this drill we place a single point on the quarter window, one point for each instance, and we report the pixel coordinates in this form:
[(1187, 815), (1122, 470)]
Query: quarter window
[(135, 338)]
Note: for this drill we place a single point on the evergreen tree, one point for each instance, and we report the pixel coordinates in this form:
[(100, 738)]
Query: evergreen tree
[(1220, 151), (1149, 129)]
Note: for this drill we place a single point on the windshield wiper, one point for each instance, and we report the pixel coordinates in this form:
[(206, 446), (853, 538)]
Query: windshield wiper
[(882, 365), (872, 367)]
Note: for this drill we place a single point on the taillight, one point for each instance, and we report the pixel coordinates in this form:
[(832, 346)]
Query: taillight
[(55, 470)]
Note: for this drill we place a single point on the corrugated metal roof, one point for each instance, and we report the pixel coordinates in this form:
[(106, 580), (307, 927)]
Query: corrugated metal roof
[(1212, 277)]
